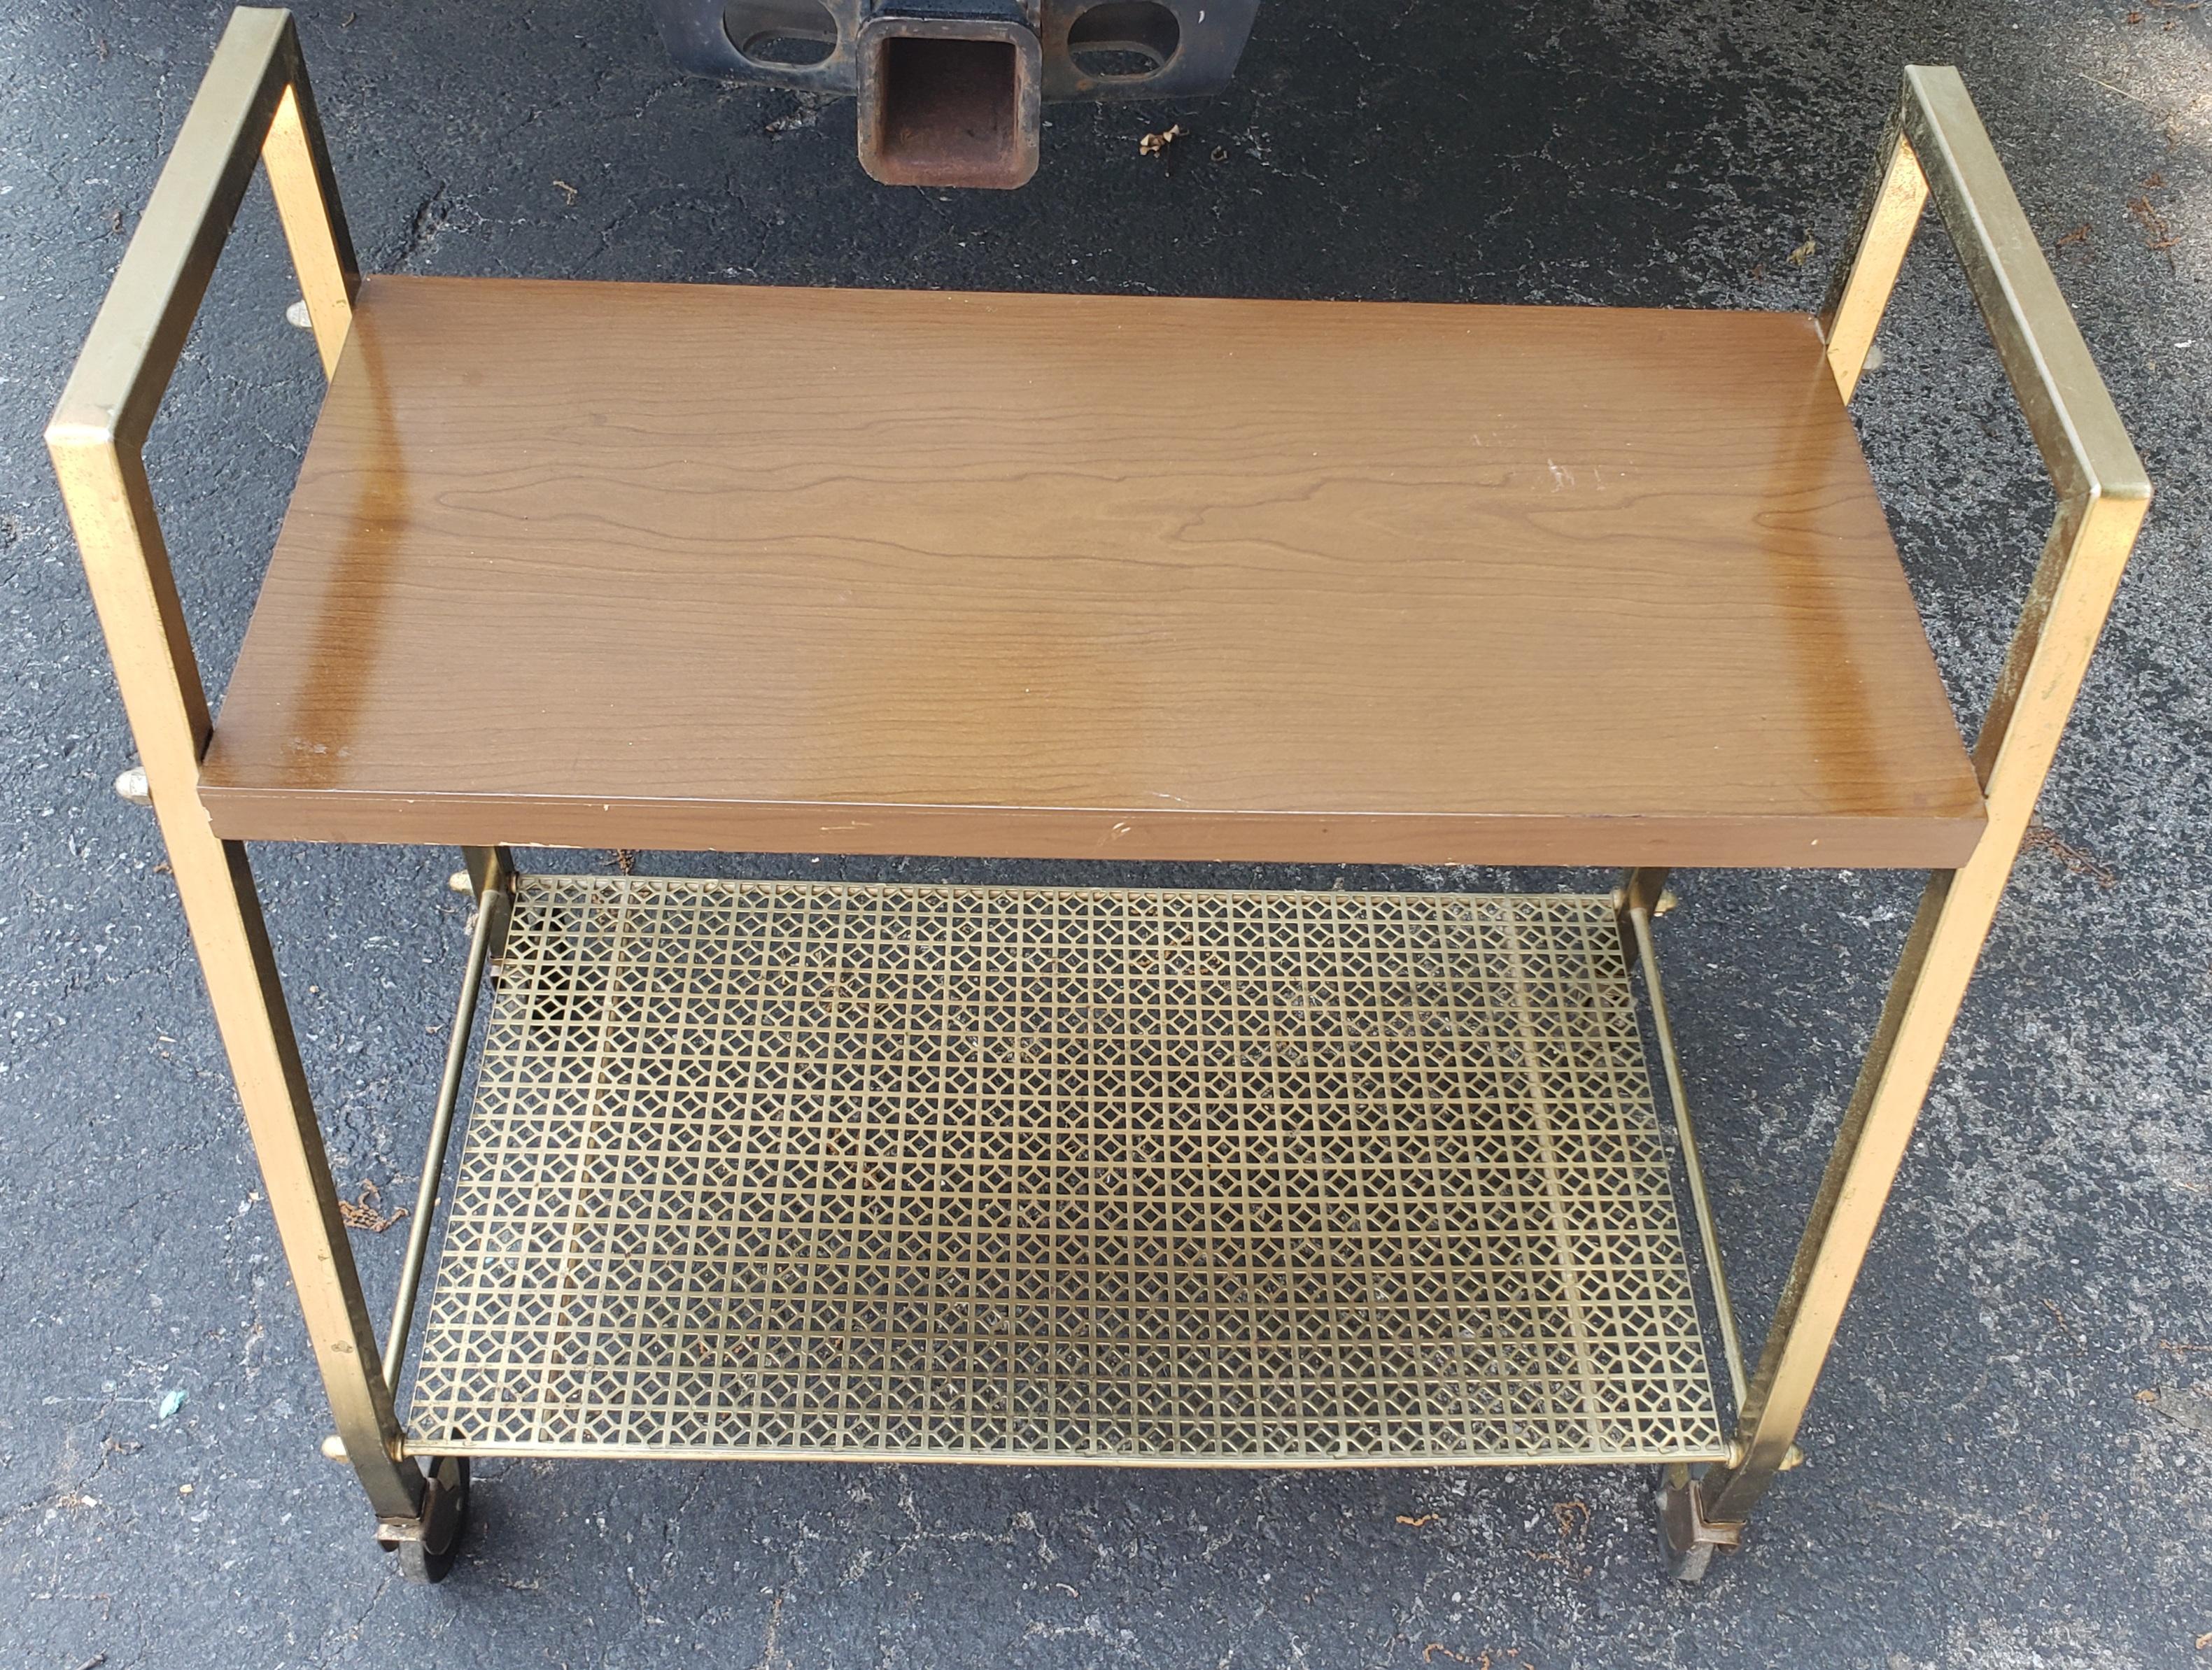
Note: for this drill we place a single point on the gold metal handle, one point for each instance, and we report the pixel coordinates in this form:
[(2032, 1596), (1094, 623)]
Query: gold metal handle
[(1936, 146), (254, 104)]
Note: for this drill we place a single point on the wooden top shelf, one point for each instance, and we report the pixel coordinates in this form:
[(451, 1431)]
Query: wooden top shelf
[(693, 566)]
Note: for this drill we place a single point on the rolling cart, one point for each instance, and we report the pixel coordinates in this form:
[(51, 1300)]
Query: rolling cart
[(1154, 1175)]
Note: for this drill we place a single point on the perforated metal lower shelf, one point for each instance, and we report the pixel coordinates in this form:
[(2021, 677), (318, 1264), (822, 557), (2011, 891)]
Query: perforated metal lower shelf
[(1030, 1173)]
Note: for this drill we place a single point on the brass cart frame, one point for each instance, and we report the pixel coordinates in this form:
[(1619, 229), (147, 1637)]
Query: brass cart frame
[(255, 103)]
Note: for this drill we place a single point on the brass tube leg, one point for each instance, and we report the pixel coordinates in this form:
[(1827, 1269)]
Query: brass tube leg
[(1915, 1020), (2074, 586), (224, 914), (1936, 150), (113, 512), (254, 99)]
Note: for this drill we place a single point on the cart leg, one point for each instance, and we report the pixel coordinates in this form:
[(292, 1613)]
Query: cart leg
[(254, 104), (1924, 1001), (2049, 652), (1935, 149), (1924, 997), (129, 572)]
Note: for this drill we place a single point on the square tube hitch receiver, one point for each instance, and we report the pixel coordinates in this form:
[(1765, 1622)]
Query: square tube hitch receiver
[(950, 90), (949, 100)]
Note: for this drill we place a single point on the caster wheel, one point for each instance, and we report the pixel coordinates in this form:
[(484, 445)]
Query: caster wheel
[(427, 1557), (1686, 1541), (1687, 1565)]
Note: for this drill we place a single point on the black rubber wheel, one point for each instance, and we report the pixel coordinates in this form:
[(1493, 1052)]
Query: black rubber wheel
[(428, 1558), (1689, 1567), (1684, 1564)]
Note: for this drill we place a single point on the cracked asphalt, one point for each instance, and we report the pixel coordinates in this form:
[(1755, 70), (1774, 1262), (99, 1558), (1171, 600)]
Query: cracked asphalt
[(2011, 1456)]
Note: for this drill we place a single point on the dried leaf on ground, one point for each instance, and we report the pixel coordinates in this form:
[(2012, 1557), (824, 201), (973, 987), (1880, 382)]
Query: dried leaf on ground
[(2040, 838), (363, 1212), (2158, 235)]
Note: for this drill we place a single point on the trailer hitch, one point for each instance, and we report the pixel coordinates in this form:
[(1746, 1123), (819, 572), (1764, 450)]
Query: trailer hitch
[(950, 90)]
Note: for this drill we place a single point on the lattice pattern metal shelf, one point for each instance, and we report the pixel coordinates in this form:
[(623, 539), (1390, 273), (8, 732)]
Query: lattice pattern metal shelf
[(761, 1169)]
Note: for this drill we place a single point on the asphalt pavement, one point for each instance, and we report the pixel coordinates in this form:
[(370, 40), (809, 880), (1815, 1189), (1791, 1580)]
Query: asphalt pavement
[(2010, 1459)]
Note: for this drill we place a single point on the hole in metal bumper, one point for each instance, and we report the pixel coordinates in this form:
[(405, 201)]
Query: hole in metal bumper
[(949, 100)]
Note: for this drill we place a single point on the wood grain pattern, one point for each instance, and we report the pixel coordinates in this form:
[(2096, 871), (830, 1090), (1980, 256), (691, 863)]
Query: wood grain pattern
[(866, 572)]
